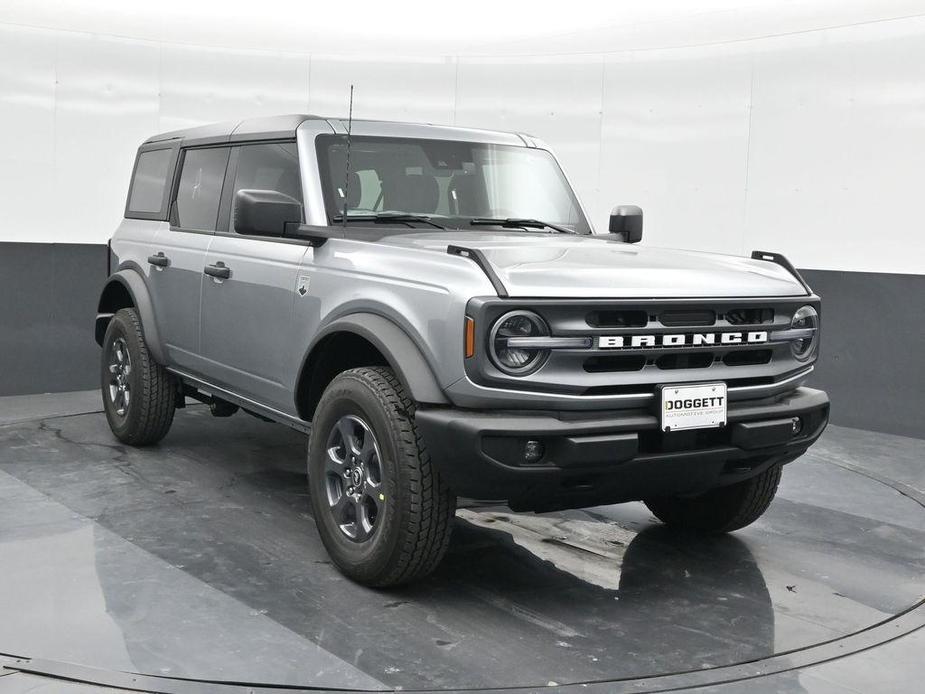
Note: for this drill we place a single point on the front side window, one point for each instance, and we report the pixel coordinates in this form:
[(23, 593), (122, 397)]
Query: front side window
[(200, 189), (272, 166), (449, 181)]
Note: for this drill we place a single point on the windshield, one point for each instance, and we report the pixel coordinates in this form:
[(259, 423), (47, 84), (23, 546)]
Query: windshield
[(451, 182)]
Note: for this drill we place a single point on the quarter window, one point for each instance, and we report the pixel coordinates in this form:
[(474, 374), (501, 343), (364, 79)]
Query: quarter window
[(200, 188), (149, 182)]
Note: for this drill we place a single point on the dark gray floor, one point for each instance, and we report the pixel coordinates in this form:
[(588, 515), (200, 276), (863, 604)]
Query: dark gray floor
[(199, 559)]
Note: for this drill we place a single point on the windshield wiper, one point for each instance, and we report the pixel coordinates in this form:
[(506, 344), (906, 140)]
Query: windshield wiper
[(387, 218), (513, 222)]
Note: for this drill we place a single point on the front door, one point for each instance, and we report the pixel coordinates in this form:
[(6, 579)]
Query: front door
[(247, 338)]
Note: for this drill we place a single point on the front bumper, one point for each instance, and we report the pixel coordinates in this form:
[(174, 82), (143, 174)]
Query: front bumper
[(594, 458)]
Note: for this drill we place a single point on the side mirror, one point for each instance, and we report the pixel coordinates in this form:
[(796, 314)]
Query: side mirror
[(265, 212), (627, 220)]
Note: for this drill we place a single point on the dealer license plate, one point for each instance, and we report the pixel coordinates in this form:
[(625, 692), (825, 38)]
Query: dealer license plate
[(693, 407)]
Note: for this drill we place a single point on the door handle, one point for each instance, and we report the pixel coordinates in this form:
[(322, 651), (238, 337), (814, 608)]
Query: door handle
[(219, 270), (159, 260)]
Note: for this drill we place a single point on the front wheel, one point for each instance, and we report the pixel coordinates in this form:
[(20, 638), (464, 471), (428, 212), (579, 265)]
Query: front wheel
[(381, 509), (720, 510)]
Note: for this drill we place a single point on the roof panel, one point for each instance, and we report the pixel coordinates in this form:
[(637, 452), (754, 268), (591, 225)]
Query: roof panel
[(285, 126)]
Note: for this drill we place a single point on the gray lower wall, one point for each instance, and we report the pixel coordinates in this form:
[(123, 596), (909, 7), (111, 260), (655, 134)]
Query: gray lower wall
[(873, 333), (48, 295), (873, 337)]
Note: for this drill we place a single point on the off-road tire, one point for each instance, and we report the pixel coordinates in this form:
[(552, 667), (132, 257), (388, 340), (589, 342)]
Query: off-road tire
[(413, 526), (720, 510), (153, 389)]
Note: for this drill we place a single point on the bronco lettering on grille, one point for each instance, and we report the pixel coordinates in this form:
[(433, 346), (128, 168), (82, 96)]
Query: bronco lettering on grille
[(679, 340)]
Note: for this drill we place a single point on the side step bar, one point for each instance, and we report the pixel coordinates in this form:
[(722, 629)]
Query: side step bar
[(244, 403)]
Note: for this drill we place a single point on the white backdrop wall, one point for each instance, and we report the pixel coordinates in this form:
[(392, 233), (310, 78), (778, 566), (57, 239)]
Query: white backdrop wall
[(811, 142)]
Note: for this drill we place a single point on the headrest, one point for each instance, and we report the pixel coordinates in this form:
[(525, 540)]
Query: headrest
[(415, 193), (466, 197), (354, 190)]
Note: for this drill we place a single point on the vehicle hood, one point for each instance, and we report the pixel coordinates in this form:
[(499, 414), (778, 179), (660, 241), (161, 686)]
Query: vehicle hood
[(547, 265)]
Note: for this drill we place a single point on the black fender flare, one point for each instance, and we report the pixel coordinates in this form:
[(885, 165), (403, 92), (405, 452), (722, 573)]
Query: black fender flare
[(133, 283), (401, 352)]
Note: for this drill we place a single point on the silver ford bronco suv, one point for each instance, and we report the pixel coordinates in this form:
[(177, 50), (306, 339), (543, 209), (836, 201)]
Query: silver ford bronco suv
[(432, 306)]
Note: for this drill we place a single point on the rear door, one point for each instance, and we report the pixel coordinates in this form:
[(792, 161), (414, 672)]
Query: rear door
[(246, 317), (179, 254)]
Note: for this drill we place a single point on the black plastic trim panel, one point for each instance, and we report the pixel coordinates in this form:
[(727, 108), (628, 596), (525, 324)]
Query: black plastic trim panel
[(479, 258), (779, 259)]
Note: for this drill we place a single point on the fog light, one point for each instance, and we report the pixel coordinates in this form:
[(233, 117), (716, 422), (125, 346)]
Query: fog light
[(797, 425), (534, 451)]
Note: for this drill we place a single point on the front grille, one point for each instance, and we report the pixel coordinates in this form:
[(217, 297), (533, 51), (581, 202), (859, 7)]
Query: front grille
[(621, 365)]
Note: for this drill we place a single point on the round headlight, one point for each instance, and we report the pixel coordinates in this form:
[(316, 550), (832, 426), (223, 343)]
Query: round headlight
[(509, 356), (806, 322)]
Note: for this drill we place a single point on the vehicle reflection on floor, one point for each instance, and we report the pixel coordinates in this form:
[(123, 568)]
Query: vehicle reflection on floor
[(199, 558), (612, 600)]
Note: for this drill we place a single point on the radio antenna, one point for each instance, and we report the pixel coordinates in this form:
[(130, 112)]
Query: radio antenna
[(347, 165)]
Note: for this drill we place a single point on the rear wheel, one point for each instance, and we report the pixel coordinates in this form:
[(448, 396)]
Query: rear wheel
[(720, 510), (139, 395), (381, 509)]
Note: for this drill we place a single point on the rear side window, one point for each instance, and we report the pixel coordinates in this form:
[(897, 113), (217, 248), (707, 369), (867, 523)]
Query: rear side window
[(200, 189), (149, 183), (271, 166)]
